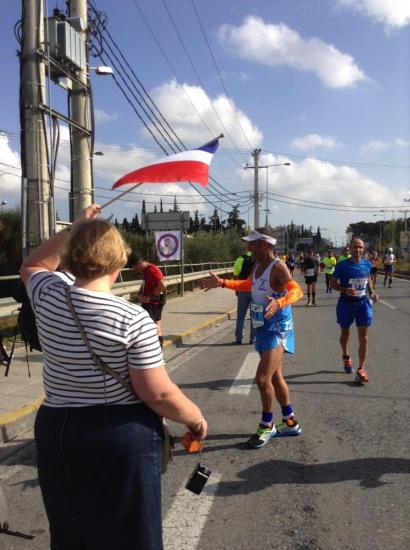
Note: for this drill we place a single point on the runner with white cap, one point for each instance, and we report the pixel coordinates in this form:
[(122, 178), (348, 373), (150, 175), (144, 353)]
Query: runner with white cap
[(389, 259), (273, 291)]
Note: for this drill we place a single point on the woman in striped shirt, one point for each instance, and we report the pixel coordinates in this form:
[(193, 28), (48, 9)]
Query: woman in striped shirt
[(98, 445)]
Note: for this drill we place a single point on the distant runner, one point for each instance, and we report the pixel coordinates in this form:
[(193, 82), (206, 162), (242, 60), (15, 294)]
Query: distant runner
[(329, 263), (352, 279), (273, 290), (290, 263), (310, 269), (389, 259), (374, 260)]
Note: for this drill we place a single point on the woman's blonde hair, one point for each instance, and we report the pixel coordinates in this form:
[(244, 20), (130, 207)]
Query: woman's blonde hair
[(95, 248)]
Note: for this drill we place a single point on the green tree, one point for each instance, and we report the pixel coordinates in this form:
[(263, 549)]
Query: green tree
[(214, 221), (234, 221), (125, 224), (10, 242)]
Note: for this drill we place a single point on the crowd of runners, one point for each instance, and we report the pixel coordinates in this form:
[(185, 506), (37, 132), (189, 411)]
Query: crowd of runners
[(268, 288)]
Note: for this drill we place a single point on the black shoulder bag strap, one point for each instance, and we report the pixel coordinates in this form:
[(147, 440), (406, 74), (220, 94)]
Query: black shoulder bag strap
[(97, 360), (167, 442)]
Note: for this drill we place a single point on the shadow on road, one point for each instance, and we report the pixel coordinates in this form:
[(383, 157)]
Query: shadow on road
[(368, 471)]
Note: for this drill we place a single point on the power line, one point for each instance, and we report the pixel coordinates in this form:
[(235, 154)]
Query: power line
[(196, 72), (219, 74), (100, 53)]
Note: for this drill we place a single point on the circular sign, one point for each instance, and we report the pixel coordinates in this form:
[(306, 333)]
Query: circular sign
[(168, 245)]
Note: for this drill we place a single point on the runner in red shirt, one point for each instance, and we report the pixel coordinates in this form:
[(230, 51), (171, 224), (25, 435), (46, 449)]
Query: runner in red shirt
[(152, 291)]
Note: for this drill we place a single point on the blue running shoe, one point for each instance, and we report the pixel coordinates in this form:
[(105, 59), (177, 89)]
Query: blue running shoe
[(288, 427)]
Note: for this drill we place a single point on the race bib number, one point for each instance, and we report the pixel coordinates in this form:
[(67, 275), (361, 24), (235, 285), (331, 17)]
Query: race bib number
[(310, 272), (257, 315), (359, 285)]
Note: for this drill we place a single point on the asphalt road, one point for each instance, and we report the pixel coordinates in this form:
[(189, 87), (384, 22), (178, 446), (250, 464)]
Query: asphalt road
[(343, 484)]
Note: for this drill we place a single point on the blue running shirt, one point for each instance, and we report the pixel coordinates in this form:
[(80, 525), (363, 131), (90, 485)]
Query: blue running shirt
[(353, 275)]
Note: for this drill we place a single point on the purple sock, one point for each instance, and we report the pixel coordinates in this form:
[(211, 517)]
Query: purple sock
[(287, 411), (267, 418)]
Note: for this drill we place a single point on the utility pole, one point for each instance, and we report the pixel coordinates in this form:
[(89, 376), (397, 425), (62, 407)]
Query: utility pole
[(35, 170), (82, 191), (255, 155)]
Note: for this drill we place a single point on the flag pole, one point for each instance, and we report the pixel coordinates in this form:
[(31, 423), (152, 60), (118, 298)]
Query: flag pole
[(120, 195)]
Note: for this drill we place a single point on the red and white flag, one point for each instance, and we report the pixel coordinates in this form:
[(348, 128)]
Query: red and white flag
[(190, 165)]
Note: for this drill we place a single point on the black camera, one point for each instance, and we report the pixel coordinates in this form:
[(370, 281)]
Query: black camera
[(198, 479)]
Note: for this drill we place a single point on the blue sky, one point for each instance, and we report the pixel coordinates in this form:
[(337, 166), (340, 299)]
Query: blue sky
[(323, 84)]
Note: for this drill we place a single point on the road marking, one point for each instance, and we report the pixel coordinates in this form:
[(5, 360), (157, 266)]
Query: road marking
[(246, 372), (184, 523), (386, 304)]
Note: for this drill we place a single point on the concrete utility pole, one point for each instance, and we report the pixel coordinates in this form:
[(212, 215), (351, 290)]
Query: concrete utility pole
[(82, 192), (35, 170), (255, 155)]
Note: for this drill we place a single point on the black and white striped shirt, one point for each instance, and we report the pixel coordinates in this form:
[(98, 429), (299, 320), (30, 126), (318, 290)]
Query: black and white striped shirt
[(120, 333)]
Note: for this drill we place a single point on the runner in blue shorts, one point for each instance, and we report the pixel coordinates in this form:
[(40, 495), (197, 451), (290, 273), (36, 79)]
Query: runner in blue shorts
[(352, 278), (273, 292)]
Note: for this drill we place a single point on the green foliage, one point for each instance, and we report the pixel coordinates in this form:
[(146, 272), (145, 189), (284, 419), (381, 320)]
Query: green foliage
[(10, 242), (205, 246)]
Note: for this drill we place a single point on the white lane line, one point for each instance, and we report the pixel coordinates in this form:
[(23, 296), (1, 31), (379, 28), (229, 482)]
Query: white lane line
[(386, 304), (184, 523), (247, 370)]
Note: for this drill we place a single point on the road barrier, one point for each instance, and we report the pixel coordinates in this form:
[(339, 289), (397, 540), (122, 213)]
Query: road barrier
[(192, 273)]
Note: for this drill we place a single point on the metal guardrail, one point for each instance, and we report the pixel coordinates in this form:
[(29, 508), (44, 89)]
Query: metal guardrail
[(192, 272)]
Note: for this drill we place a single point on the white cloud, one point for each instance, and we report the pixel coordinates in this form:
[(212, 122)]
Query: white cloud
[(375, 146), (275, 45), (10, 173), (378, 146), (187, 108), (321, 181), (103, 117), (314, 141), (391, 13), (402, 143)]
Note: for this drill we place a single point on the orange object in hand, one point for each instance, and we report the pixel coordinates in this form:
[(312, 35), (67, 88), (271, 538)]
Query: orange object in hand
[(190, 444)]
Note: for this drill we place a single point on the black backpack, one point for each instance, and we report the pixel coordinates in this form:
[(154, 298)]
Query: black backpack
[(247, 267), (26, 320)]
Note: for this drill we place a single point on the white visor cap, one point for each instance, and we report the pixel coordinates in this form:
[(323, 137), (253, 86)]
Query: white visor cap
[(255, 236)]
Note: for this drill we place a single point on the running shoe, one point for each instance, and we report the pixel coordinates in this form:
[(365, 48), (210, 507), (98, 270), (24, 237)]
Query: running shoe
[(348, 366), (361, 376), (262, 436), (288, 427), (309, 303), (314, 303)]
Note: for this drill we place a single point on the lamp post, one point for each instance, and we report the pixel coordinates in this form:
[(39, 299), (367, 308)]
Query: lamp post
[(392, 224), (256, 186), (405, 229), (380, 231)]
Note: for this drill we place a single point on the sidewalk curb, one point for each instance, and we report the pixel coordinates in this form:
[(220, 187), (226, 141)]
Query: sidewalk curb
[(14, 422), (179, 338)]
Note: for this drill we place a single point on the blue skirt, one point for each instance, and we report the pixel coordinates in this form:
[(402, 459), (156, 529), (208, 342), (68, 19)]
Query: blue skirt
[(99, 470)]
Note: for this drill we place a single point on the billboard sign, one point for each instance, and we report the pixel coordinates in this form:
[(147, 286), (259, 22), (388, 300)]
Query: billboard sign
[(165, 221)]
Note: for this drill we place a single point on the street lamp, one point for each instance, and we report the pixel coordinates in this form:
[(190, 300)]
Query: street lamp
[(407, 236), (102, 70), (392, 224), (380, 231)]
